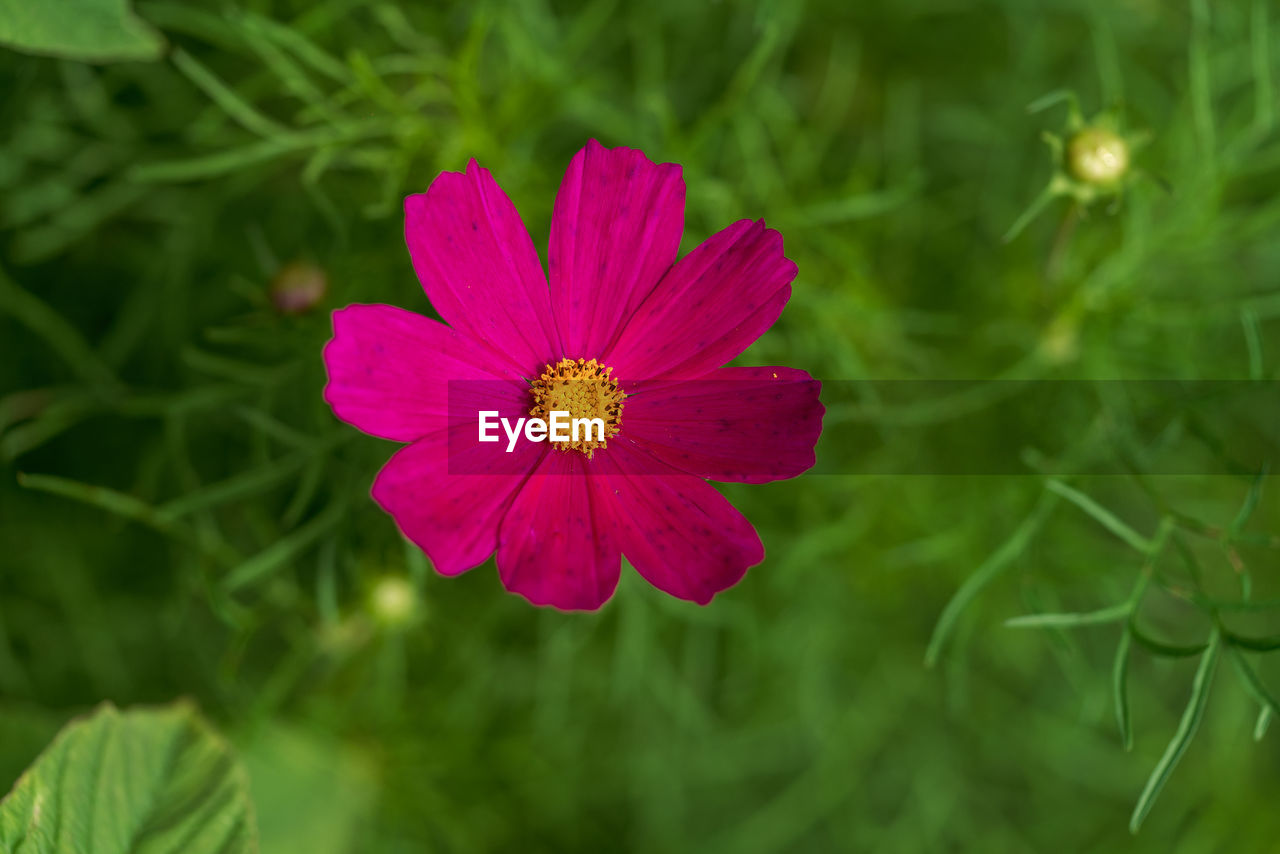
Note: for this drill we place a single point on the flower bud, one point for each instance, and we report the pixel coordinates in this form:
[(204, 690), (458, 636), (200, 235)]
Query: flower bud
[(298, 287), (392, 601), (1097, 156)]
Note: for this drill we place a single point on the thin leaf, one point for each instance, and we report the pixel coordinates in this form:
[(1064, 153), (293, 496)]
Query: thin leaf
[(1251, 500), (1201, 82), (1101, 515), (1120, 688), (1037, 206), (283, 550), (294, 41), (1252, 342), (63, 338), (1263, 97), (1186, 731), (1252, 683), (1264, 644), (125, 506), (1251, 605), (99, 496), (1113, 614), (242, 485), (1264, 721), (240, 111), (1159, 647), (1008, 551)]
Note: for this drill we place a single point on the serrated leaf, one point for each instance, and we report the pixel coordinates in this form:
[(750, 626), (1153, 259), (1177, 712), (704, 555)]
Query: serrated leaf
[(87, 30), (148, 781)]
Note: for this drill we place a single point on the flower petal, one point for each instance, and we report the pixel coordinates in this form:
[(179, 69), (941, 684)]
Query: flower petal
[(676, 529), (710, 307), (445, 498), (615, 230), (556, 546), (389, 372), (751, 425), (479, 268)]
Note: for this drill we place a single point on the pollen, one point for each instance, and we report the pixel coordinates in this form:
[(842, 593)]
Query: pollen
[(584, 388)]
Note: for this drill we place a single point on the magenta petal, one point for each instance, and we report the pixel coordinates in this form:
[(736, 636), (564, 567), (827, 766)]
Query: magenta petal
[(389, 371), (676, 529), (444, 498), (479, 268), (710, 307), (751, 425), (556, 546), (615, 230)]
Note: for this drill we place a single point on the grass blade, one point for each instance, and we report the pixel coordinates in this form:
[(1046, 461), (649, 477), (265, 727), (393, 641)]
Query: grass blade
[(1186, 731)]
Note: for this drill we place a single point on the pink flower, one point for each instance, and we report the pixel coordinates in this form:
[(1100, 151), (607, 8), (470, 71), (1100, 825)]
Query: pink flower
[(624, 332)]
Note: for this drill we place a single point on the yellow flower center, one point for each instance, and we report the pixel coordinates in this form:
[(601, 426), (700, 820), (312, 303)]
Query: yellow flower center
[(584, 389), (1097, 156)]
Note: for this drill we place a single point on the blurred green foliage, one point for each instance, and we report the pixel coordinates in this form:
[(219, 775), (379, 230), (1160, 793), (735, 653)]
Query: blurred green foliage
[(192, 520)]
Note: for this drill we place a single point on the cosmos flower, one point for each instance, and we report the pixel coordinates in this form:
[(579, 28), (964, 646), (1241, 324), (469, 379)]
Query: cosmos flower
[(621, 330)]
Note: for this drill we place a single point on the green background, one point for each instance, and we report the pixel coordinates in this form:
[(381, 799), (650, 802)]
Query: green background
[(209, 532)]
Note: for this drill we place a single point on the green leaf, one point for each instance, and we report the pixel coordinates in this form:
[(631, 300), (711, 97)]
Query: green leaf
[(1267, 644), (1006, 554), (157, 781), (1120, 688), (1102, 516), (1112, 614), (1264, 721), (1159, 647), (87, 30), (1253, 684), (1186, 731)]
